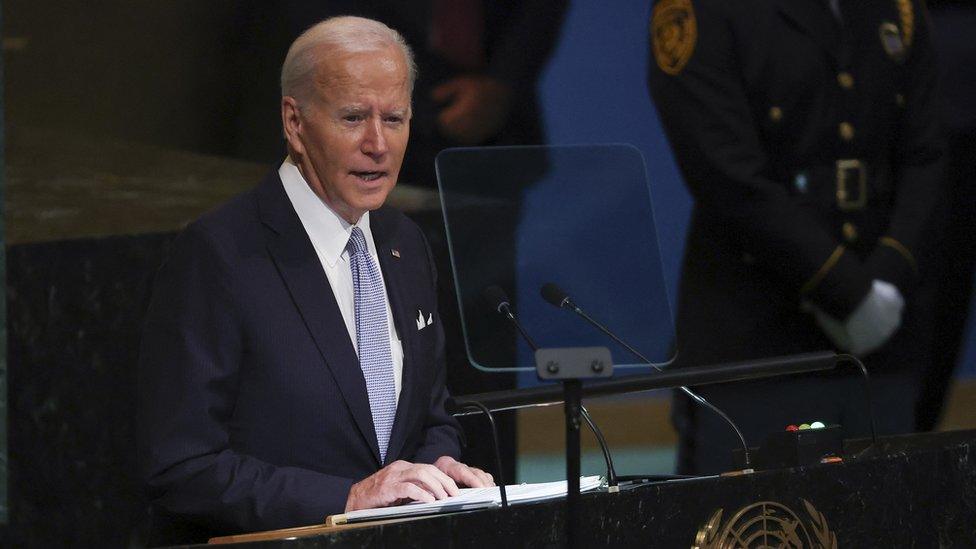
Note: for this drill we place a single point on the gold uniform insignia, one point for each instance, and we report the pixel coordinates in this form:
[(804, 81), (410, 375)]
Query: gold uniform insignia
[(673, 34)]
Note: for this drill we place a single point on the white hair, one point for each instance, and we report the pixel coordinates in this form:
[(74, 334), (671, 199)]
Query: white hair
[(346, 34)]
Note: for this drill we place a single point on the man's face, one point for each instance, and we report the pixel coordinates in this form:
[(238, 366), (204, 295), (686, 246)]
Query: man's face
[(350, 137)]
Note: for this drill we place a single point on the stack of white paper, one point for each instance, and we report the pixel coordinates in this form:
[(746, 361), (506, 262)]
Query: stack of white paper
[(470, 498)]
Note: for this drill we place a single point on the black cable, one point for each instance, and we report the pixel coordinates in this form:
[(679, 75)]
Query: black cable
[(867, 396), (498, 456), (495, 298), (685, 390), (518, 326), (611, 472)]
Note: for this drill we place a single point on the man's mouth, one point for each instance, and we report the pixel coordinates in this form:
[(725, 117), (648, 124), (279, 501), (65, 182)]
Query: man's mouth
[(368, 175)]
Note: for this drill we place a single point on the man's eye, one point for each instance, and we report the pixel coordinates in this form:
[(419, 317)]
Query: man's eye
[(394, 119), (353, 118)]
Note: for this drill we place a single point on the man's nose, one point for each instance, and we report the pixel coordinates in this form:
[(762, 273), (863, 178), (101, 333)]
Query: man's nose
[(374, 142)]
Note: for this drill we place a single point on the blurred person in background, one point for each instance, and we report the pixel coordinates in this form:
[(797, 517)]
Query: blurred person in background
[(809, 135), (478, 64)]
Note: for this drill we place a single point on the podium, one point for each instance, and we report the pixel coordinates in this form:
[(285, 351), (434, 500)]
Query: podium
[(910, 490)]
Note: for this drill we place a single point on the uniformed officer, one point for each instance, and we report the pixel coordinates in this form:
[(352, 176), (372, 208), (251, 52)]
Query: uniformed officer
[(808, 135)]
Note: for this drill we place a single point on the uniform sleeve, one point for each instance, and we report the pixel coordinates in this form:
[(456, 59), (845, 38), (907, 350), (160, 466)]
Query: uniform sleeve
[(706, 115), (189, 365), (920, 155)]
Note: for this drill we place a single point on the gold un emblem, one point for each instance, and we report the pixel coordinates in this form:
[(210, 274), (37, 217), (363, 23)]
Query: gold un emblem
[(766, 524)]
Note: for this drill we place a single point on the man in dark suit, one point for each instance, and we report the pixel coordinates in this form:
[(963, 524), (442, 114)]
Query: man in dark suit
[(808, 134), (479, 64), (292, 363)]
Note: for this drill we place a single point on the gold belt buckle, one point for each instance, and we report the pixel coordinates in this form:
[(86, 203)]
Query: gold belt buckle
[(851, 173)]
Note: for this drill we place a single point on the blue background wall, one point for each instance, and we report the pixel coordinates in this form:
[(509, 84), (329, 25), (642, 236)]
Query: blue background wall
[(595, 91)]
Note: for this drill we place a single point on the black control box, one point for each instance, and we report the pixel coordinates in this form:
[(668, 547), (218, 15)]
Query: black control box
[(794, 448)]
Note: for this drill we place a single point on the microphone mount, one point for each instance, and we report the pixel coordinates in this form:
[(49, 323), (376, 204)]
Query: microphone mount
[(569, 365), (556, 296), (497, 299)]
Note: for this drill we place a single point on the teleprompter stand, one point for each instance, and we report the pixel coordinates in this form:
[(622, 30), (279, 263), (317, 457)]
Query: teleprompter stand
[(574, 368), (571, 365)]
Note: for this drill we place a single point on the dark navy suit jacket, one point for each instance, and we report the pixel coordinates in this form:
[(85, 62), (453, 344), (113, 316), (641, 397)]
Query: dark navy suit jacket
[(253, 407)]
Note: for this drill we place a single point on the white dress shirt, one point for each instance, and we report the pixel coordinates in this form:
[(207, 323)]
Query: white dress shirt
[(329, 234)]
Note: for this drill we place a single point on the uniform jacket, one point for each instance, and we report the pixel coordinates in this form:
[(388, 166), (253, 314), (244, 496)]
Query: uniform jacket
[(253, 408), (814, 156)]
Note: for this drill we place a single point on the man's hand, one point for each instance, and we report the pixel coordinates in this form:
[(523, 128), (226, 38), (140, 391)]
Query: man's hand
[(401, 481), (475, 108), (472, 477)]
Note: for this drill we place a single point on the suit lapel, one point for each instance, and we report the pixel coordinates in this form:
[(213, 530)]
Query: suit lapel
[(386, 239), (299, 266), (816, 20)]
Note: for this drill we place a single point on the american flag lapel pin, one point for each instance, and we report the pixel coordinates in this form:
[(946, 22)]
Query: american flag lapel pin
[(395, 252)]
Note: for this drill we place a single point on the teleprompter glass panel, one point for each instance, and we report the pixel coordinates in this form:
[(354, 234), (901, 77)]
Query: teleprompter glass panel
[(577, 216)]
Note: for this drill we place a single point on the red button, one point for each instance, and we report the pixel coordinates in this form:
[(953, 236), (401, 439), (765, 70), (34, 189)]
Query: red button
[(792, 428)]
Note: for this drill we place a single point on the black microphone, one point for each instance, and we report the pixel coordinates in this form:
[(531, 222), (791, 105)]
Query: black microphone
[(497, 299), (560, 299), (555, 295)]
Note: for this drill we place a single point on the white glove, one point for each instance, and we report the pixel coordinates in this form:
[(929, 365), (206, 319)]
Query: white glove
[(870, 325)]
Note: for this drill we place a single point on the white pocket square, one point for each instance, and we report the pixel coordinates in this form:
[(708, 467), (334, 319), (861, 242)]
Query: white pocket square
[(421, 323)]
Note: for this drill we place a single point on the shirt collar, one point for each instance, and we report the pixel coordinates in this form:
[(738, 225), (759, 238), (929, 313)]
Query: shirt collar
[(328, 231)]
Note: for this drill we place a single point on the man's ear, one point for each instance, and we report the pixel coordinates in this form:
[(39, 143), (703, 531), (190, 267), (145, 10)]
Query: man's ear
[(291, 123)]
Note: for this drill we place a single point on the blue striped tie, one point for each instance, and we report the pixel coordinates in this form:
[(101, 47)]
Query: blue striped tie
[(373, 338)]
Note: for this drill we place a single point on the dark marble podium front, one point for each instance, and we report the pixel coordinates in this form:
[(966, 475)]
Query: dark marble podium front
[(913, 491)]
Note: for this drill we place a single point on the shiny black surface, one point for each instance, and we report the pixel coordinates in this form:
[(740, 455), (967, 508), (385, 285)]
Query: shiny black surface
[(921, 492)]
